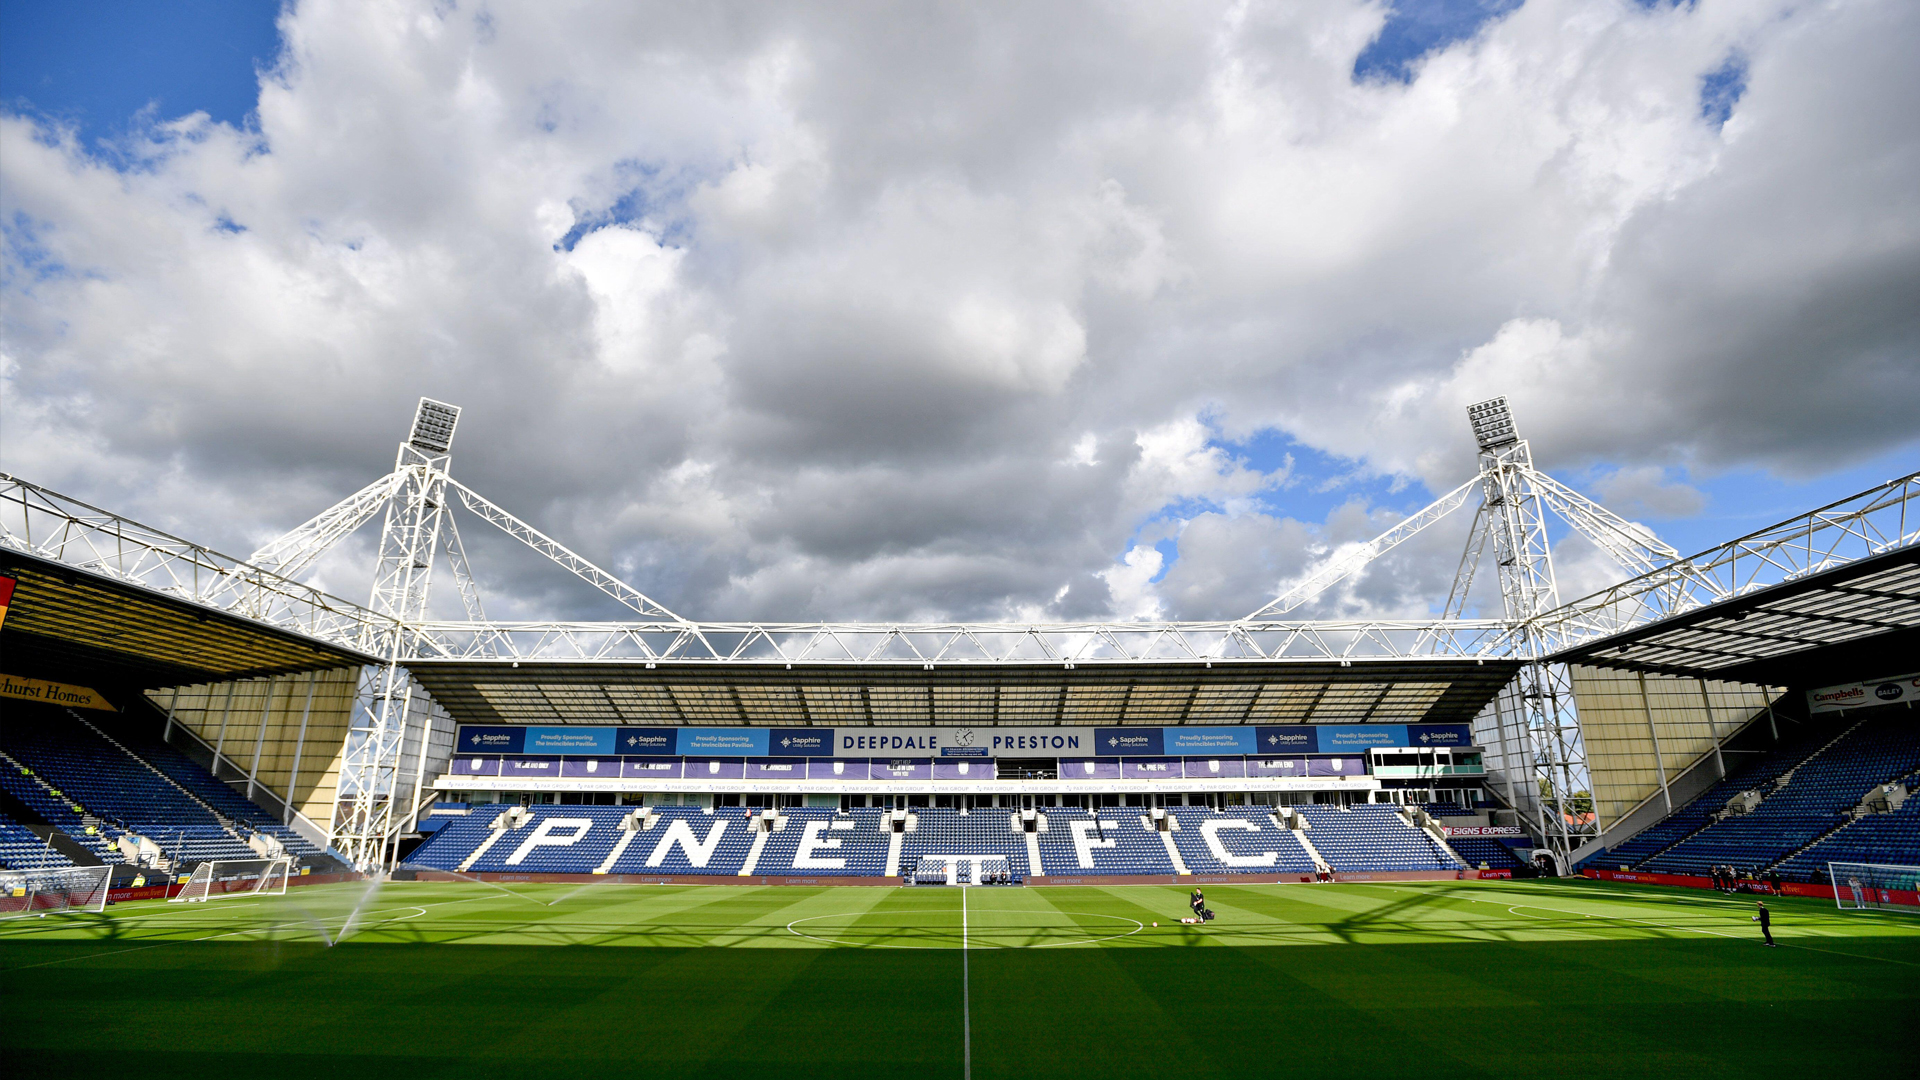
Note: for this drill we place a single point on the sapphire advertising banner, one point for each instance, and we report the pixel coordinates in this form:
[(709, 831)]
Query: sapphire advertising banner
[(1195, 741), (1349, 738), (800, 742), (1130, 742), (490, 739), (661, 741), (1290, 739), (569, 740), (740, 742), (956, 741), (1432, 735)]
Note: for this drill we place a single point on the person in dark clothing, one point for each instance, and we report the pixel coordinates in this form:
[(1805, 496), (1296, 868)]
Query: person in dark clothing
[(1197, 901), (1773, 879), (1765, 919)]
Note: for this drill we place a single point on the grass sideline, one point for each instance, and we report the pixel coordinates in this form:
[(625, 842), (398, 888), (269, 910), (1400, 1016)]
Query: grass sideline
[(1429, 979)]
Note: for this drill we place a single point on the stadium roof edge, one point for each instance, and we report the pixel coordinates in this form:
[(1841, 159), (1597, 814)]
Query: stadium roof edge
[(71, 619)]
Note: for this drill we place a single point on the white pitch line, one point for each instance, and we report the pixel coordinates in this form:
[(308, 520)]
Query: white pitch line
[(1683, 929), (966, 993)]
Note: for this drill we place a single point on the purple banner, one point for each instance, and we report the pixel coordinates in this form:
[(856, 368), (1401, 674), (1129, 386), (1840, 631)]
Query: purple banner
[(979, 769), (476, 766), (1155, 768), (591, 768), (531, 768), (1271, 766), (1089, 768), (710, 768), (643, 768), (1214, 768), (776, 769), (1337, 766), (843, 769), (901, 769)]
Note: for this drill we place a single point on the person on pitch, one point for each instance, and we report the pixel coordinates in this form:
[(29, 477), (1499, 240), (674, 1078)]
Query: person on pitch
[(1765, 919)]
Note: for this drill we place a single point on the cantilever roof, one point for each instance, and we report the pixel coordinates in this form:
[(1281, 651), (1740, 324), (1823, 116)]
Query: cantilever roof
[(1828, 626), (83, 624), (1443, 689)]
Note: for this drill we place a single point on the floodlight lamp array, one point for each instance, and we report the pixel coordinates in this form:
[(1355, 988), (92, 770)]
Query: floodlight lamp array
[(433, 425), (1492, 423)]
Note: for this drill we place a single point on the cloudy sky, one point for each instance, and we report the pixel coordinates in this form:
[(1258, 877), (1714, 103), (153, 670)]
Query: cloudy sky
[(914, 311)]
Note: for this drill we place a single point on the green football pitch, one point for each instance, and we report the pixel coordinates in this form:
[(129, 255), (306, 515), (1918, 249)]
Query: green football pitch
[(1423, 979)]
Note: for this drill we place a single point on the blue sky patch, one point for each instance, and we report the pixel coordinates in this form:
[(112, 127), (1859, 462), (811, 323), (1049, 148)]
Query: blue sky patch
[(1720, 90), (97, 64), (1415, 28)]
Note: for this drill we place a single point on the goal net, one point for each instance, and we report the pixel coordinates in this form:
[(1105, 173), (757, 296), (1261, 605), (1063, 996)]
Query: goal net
[(1874, 886), (218, 878), (42, 892)]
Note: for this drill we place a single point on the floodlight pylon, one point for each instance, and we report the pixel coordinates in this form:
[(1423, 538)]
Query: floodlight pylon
[(417, 529), (1540, 728), (416, 518), (1536, 729)]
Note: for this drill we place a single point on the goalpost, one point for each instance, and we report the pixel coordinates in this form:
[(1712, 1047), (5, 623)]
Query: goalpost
[(217, 878), (1871, 886), (42, 892)]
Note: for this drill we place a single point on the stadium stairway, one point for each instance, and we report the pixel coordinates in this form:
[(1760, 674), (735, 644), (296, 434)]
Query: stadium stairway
[(1892, 837), (822, 842), (975, 832), (52, 810), (688, 840), (1237, 840), (1689, 819), (1476, 850), (96, 786), (1809, 804), (1123, 842), (1374, 838), (22, 849), (233, 811)]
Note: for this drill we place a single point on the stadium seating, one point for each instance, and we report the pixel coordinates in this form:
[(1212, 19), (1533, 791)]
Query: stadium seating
[(684, 840), (1692, 817), (1877, 838), (456, 839), (1252, 835), (1814, 802), (552, 842), (55, 810), (1121, 845), (1361, 838), (1482, 849), (119, 793), (862, 848), (978, 832), (20, 849)]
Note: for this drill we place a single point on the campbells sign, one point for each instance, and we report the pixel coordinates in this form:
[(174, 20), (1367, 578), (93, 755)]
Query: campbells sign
[(1859, 695)]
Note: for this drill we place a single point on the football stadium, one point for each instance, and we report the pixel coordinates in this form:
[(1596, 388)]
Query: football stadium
[(247, 825)]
